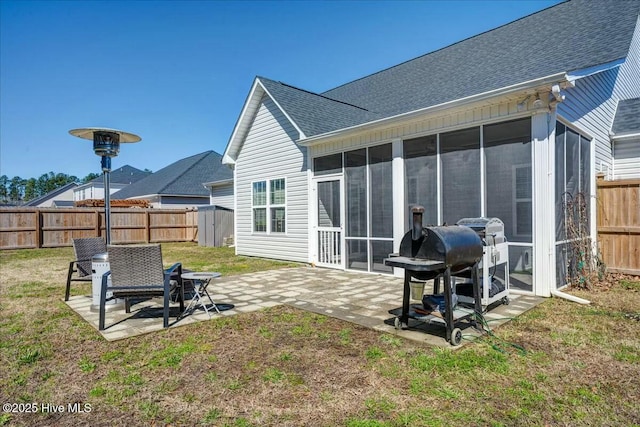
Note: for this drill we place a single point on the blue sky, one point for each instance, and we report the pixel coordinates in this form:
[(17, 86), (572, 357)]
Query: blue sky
[(177, 73)]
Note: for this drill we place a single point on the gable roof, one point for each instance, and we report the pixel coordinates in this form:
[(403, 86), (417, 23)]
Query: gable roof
[(51, 194), (124, 175), (627, 119), (544, 47), (182, 178), (570, 36)]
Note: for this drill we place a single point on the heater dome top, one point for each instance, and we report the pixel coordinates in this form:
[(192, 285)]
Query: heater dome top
[(87, 133)]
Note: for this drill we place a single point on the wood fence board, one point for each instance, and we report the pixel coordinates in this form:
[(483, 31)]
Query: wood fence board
[(54, 227), (618, 224)]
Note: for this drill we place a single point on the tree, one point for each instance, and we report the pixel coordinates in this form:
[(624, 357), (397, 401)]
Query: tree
[(90, 177), (16, 189), (30, 189), (4, 188)]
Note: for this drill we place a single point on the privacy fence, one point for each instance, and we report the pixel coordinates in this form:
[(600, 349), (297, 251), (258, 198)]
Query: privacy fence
[(619, 224), (51, 227)]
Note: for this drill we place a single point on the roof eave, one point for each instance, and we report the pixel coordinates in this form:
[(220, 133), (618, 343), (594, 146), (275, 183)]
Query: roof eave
[(258, 89), (543, 81), (218, 183), (625, 136)]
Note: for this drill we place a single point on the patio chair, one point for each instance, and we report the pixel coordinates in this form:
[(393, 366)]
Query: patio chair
[(84, 249), (137, 272)]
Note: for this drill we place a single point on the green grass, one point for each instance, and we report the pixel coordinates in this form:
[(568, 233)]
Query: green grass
[(283, 366)]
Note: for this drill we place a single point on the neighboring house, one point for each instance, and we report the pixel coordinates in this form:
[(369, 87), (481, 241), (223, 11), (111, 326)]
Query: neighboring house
[(182, 184), (625, 140), (503, 124), (221, 191), (62, 196), (118, 179)]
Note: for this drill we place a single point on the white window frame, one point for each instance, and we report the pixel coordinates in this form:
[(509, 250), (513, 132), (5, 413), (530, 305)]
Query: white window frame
[(271, 205), (268, 206)]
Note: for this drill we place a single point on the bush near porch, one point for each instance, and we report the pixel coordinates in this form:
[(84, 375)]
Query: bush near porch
[(286, 367)]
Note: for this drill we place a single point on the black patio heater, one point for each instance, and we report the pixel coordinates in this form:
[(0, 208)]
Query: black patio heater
[(106, 144)]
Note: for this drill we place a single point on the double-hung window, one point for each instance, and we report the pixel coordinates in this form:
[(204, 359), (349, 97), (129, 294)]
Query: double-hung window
[(269, 206)]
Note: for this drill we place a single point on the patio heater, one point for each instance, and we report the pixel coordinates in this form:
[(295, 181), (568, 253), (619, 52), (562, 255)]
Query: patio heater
[(106, 144)]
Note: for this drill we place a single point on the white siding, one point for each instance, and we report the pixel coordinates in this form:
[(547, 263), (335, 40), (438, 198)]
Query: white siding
[(269, 151), (628, 84), (591, 104), (627, 159), (591, 107), (222, 195)]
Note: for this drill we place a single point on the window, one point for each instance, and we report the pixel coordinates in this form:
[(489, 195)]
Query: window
[(276, 201), (259, 200), (269, 206)]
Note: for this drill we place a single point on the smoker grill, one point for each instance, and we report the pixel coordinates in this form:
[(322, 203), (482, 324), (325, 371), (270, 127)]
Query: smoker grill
[(438, 253)]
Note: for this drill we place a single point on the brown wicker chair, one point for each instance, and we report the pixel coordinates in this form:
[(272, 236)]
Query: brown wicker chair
[(137, 272), (84, 249)]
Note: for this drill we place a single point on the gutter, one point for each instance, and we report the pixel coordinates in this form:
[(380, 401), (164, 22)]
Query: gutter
[(552, 79), (624, 136)]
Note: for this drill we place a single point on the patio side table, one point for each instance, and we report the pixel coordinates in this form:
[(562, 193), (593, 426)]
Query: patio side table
[(200, 281)]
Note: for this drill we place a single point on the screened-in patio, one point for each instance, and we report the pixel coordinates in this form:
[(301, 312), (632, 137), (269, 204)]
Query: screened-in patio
[(480, 171)]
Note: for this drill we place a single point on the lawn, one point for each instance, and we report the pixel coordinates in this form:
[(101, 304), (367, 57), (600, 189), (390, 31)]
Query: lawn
[(560, 364)]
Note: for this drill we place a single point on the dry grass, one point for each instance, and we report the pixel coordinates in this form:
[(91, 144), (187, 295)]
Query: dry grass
[(286, 367)]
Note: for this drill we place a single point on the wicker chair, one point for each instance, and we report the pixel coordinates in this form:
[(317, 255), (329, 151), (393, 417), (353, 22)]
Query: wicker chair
[(84, 249), (137, 272)]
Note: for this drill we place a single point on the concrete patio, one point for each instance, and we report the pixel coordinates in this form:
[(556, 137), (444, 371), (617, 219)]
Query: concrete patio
[(363, 299)]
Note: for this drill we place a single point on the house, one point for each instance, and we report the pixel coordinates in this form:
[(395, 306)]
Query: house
[(182, 183), (118, 179), (60, 197), (509, 124), (625, 140)]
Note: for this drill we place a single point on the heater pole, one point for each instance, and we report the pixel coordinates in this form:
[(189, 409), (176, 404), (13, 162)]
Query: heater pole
[(106, 168)]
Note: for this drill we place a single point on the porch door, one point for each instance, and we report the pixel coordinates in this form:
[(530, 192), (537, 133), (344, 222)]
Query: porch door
[(330, 214)]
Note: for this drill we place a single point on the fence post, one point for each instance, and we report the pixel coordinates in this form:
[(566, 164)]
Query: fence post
[(147, 224), (38, 230)]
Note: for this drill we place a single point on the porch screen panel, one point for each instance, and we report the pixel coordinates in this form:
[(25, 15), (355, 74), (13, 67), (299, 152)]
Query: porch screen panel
[(585, 180), (326, 165), (460, 157), (329, 204), (421, 176), (509, 186), (356, 192), (381, 191)]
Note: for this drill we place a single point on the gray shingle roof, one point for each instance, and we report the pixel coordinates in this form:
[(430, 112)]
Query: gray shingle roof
[(184, 177), (314, 113), (570, 36), (124, 175), (627, 118)]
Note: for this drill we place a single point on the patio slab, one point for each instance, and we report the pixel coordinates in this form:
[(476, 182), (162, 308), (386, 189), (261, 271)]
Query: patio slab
[(361, 298)]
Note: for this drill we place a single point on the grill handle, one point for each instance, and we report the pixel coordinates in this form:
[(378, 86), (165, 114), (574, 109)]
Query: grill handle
[(416, 230)]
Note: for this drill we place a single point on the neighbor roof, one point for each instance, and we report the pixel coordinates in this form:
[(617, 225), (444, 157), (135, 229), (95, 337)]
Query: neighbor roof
[(51, 194), (627, 120), (124, 175), (570, 36), (182, 178)]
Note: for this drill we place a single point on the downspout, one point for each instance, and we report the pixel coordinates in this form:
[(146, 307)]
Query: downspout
[(569, 297)]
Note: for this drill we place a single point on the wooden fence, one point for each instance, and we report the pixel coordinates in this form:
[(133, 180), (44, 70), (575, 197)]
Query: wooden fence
[(619, 224), (51, 227)]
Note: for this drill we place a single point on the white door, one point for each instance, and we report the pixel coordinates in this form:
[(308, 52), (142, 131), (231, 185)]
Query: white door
[(329, 222)]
